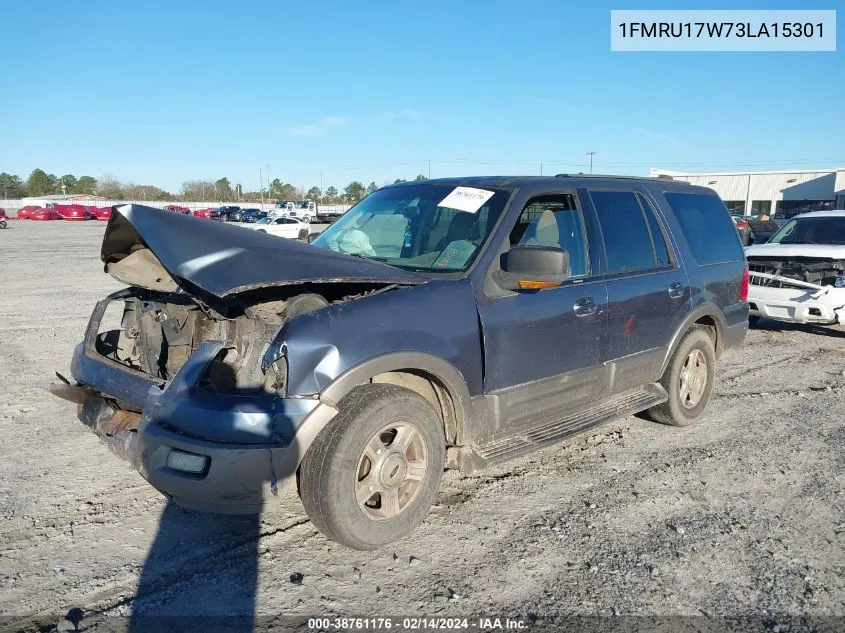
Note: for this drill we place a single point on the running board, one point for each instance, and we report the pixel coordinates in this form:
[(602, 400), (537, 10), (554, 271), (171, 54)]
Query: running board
[(535, 438)]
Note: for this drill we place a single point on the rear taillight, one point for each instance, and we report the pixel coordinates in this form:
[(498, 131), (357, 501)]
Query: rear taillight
[(743, 289), (742, 225)]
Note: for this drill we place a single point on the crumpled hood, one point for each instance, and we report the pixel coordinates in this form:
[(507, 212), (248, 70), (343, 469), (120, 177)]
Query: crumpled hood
[(153, 248), (833, 251)]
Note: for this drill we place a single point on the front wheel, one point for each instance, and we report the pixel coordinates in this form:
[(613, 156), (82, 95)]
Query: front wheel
[(2, 224), (371, 475), (688, 380)]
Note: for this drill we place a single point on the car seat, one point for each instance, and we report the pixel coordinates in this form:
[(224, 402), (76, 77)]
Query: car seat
[(461, 227)]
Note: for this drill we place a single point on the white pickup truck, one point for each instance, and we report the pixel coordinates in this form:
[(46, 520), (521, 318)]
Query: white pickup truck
[(304, 211)]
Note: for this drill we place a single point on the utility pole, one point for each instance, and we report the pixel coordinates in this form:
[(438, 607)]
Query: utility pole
[(591, 154), (261, 186), (429, 169), (268, 182), (541, 169)]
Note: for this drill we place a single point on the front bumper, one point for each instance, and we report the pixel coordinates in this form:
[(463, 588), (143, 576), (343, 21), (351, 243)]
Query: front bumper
[(804, 303), (249, 441)]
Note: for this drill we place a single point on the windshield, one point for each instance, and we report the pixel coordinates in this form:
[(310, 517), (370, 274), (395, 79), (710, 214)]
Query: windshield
[(814, 230), (427, 227), (302, 205), (264, 221)]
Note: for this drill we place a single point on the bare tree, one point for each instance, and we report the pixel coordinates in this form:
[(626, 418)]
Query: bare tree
[(110, 187)]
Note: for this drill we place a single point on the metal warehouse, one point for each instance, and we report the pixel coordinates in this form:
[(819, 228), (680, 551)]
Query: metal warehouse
[(782, 194)]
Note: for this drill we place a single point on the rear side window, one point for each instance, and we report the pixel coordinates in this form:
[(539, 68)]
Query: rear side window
[(707, 226), (632, 238)]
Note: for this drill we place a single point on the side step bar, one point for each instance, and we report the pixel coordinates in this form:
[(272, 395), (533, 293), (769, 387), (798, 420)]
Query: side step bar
[(534, 438)]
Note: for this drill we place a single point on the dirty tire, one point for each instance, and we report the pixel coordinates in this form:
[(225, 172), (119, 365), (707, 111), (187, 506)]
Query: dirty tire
[(753, 320), (330, 472), (697, 345)]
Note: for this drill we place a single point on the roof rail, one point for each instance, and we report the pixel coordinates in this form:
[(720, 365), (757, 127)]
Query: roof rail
[(583, 175)]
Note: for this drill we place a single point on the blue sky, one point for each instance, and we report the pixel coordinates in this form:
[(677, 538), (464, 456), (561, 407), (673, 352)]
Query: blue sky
[(161, 92)]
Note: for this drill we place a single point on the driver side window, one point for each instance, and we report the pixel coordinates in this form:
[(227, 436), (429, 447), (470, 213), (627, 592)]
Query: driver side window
[(554, 221)]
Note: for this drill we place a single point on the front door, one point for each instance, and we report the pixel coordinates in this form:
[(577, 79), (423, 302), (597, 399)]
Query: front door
[(543, 349)]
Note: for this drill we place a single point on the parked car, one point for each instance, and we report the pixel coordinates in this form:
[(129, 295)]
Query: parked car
[(178, 209), (799, 274), (227, 211), (73, 212), (283, 227), (480, 317), (204, 214), (217, 214), (3, 219), (43, 214), (24, 213), (240, 214), (102, 213), (251, 217), (743, 228)]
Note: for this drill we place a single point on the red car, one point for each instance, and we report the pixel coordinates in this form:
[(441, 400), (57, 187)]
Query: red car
[(25, 212), (205, 214), (102, 213), (74, 212), (177, 208), (45, 214), (3, 218)]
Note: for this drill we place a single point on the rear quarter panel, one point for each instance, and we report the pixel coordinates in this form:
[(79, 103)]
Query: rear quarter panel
[(714, 287)]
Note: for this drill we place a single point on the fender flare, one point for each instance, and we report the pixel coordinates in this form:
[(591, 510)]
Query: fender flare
[(442, 371), (703, 310)]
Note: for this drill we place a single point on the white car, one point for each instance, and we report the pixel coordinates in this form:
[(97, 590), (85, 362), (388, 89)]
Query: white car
[(799, 274), (283, 227)]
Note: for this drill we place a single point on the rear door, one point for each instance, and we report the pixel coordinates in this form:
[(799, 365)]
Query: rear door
[(647, 287)]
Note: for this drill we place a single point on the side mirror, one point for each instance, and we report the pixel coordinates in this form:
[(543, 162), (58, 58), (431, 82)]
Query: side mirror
[(534, 267), (312, 237)]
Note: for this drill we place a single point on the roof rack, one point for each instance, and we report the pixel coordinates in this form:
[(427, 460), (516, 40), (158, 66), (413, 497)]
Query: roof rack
[(583, 175)]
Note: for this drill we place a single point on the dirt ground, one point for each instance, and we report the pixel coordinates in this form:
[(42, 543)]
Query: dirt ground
[(739, 515)]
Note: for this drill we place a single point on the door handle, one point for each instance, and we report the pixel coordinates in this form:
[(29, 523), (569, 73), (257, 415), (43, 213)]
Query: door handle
[(677, 290), (585, 307)]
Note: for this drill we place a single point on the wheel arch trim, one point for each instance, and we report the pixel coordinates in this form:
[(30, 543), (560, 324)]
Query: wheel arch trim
[(431, 366), (708, 310)]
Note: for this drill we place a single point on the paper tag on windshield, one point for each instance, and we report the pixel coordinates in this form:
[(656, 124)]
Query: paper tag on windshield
[(467, 199)]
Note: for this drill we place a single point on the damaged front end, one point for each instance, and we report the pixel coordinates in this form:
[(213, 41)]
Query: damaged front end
[(172, 374), (798, 289)]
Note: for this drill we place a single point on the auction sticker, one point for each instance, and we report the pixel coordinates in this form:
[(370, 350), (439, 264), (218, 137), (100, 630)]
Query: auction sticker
[(467, 199)]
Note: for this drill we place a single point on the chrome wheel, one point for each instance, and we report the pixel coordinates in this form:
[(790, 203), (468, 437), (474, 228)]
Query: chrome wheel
[(391, 470), (693, 378)]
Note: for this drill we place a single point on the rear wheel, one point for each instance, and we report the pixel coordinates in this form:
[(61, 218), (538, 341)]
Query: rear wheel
[(2, 224), (371, 475), (688, 380)]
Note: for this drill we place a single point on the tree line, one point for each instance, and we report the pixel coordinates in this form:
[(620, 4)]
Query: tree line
[(40, 183)]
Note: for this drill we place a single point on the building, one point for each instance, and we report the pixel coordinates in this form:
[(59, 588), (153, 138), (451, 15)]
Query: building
[(781, 194)]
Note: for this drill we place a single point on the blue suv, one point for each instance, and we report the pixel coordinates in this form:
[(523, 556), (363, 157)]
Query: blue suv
[(444, 323)]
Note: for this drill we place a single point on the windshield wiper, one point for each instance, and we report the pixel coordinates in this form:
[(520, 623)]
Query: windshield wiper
[(372, 257)]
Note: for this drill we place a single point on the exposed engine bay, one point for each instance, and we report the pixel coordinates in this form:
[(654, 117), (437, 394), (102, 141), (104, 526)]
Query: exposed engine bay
[(159, 331)]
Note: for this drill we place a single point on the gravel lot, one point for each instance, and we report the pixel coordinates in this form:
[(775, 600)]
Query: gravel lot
[(740, 515)]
